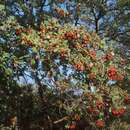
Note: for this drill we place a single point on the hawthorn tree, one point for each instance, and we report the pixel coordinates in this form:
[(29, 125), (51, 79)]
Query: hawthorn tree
[(79, 80), (105, 17)]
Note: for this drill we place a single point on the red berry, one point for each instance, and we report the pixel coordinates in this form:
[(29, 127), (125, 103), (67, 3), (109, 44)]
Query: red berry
[(79, 66), (72, 126), (100, 104), (18, 31), (122, 111), (100, 123), (127, 100), (112, 73), (118, 112), (115, 112)]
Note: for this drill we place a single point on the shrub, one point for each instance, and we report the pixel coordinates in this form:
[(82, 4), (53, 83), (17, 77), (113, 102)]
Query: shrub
[(79, 78)]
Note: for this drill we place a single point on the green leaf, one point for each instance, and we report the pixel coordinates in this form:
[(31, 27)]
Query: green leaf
[(101, 115), (34, 49), (8, 71), (128, 67), (102, 44), (32, 62)]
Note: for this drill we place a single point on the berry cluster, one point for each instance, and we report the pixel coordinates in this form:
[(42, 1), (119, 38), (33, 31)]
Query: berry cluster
[(100, 123), (61, 12), (63, 54), (109, 56), (92, 54), (79, 66), (127, 100), (112, 73), (71, 35), (86, 39), (26, 40), (118, 112), (71, 125), (100, 105)]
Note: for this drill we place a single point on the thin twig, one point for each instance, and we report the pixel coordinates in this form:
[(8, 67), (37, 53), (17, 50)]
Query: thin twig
[(60, 120)]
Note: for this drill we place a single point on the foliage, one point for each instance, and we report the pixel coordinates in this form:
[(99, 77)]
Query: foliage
[(4, 128), (118, 125), (80, 81)]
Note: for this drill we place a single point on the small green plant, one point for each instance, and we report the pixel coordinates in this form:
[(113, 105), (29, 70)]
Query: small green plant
[(4, 128), (118, 125)]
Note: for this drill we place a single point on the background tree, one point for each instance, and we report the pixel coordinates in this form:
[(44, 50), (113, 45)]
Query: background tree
[(79, 80)]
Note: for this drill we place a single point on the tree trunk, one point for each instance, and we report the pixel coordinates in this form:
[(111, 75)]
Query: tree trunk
[(96, 25)]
